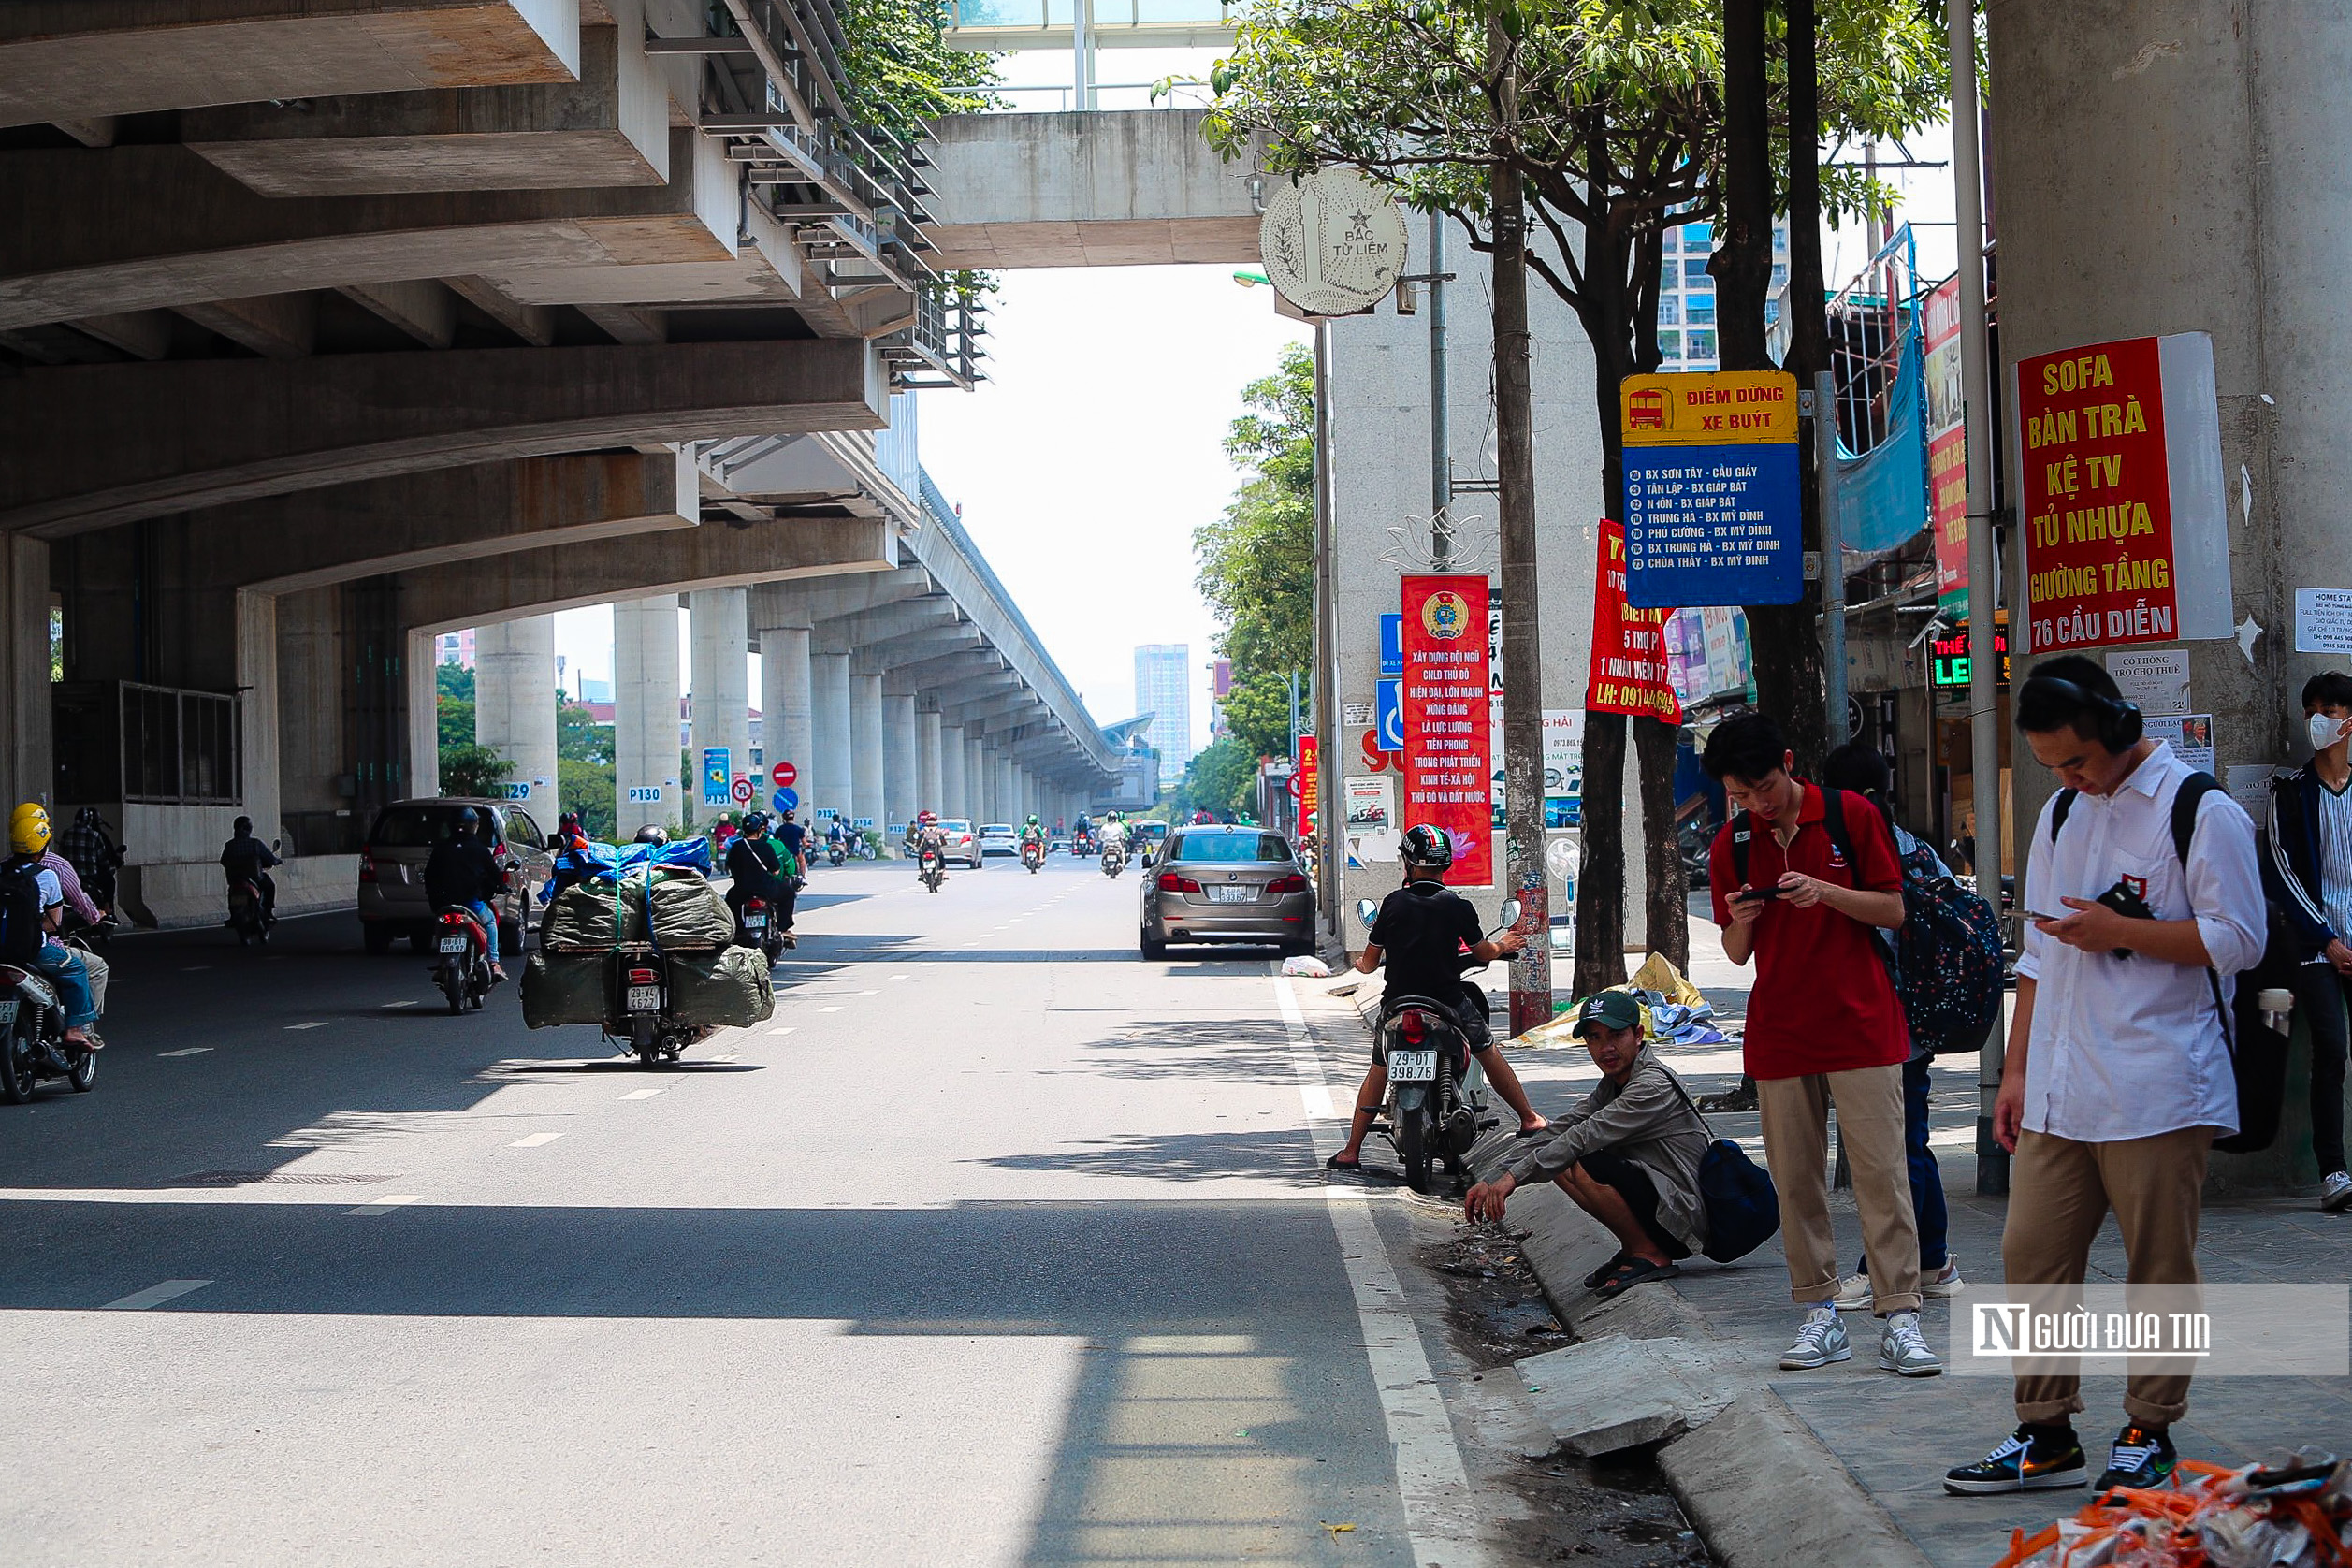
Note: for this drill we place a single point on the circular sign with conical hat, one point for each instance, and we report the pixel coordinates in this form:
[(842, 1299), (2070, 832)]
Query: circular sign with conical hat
[(1333, 243)]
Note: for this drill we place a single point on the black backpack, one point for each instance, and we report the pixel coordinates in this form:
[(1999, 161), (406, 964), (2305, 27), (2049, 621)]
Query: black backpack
[(2258, 1053), (21, 932)]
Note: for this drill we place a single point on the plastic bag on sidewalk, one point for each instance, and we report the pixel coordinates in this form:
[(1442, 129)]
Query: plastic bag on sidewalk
[(1659, 974), (2290, 1514), (1306, 966)]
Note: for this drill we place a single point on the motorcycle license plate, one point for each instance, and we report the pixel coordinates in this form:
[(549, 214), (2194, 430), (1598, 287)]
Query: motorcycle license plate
[(453, 944), (1233, 893), (1412, 1066), (647, 999), (755, 923), (8, 1012)]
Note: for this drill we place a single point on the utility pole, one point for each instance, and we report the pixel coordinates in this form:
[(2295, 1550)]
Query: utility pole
[(1832, 559), (1524, 872), (1984, 671), (1441, 423)]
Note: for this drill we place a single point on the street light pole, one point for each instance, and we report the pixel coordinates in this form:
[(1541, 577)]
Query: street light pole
[(1441, 425)]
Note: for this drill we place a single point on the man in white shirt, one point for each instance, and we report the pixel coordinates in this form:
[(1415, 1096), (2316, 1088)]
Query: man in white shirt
[(2118, 1072)]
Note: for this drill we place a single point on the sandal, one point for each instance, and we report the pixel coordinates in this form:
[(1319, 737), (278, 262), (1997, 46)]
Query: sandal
[(1335, 1163), (1636, 1270), (1543, 1131), (1599, 1276)]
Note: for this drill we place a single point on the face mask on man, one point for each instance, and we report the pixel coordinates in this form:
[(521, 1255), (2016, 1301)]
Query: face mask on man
[(2325, 731)]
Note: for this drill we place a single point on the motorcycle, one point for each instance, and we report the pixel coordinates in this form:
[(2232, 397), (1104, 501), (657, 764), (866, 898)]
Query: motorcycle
[(835, 854), (1033, 856), (755, 928), (1114, 859), (638, 1012), (934, 869), (247, 910), (461, 966), (1434, 1109), (33, 1042)]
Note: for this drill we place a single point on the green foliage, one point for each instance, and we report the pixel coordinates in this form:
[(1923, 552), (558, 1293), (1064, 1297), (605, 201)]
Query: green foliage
[(473, 770), (455, 716), (454, 680), (588, 788), (900, 70), (1257, 561), (579, 739), (1221, 778)]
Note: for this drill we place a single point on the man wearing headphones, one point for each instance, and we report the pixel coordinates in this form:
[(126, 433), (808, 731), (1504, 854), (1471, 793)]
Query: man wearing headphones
[(2118, 1073)]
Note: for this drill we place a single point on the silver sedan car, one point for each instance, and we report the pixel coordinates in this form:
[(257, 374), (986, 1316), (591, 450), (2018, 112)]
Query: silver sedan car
[(1227, 884)]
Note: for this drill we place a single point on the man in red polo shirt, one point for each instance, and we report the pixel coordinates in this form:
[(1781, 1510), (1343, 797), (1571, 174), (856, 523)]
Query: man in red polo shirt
[(1802, 898)]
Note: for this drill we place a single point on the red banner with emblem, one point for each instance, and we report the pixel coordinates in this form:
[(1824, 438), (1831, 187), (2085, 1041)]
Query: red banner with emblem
[(1448, 760), (1628, 672)]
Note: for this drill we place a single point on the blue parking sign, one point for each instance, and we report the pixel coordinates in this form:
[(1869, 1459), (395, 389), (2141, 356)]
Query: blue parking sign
[(1389, 714)]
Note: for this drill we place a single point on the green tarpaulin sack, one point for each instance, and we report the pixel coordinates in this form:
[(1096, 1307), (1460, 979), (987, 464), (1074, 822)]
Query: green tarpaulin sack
[(723, 989), (565, 988)]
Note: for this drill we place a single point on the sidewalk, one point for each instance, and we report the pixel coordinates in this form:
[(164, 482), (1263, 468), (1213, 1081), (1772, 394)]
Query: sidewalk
[(1896, 1437)]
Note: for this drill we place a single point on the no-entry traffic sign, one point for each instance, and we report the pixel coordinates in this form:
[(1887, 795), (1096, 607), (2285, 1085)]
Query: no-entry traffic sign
[(784, 775)]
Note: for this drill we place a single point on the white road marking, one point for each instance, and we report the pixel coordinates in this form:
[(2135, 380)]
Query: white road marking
[(785, 1030), (534, 1139), (321, 1024), (192, 968), (1439, 1521), (641, 1093), (408, 1004), (186, 1050), (386, 1204), (155, 1295), (828, 1009)]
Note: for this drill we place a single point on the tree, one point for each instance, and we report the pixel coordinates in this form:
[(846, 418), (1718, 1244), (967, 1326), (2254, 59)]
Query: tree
[(455, 717), (1603, 119), (1219, 778), (473, 770), (454, 680), (580, 738), (1257, 561), (587, 788)]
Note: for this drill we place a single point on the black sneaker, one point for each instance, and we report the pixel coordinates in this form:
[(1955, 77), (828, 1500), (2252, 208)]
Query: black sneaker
[(2141, 1459), (2029, 1459)]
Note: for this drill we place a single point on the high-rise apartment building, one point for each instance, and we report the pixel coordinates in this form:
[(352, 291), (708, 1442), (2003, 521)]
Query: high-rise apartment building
[(1686, 296), (1163, 689)]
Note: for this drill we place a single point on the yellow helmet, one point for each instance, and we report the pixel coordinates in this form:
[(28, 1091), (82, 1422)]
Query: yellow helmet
[(28, 827)]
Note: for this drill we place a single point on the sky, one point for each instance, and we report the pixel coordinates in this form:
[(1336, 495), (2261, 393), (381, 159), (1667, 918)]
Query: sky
[(1091, 452)]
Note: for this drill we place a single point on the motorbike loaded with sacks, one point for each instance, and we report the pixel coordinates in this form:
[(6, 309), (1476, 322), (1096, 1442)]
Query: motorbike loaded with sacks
[(644, 948)]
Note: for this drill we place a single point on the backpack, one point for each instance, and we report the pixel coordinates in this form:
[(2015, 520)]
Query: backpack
[(2258, 1053), (1742, 1208), (1946, 959), (20, 931)]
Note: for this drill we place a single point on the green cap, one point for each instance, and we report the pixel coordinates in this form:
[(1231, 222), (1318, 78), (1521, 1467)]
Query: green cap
[(1614, 1010)]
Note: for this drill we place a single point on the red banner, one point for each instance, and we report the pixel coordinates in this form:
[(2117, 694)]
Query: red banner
[(1309, 785), (2098, 496), (1947, 448), (1448, 765), (1629, 646)]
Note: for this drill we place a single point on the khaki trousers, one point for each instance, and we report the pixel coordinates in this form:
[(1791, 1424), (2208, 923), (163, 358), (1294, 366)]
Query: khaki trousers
[(2060, 1192), (1796, 1116)]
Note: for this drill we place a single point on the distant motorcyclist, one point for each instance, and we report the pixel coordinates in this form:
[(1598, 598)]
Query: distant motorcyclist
[(94, 856), (794, 837), (247, 859), (463, 873), (1114, 830), (1032, 836), (1082, 839), (571, 864), (28, 841), (929, 838), (762, 869), (1424, 933)]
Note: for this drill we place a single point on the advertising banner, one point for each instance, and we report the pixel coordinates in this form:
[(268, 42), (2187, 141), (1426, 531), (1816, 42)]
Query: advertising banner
[(1629, 644), (1447, 734), (1947, 449), (1711, 496), (718, 776), (2125, 521), (1310, 789)]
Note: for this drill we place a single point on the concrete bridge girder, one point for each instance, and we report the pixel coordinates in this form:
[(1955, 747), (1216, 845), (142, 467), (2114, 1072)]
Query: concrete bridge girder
[(914, 651), (79, 62), (218, 432), (940, 674), (863, 628), (808, 605)]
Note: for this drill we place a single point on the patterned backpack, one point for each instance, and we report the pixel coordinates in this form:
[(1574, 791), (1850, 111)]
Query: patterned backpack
[(1947, 958)]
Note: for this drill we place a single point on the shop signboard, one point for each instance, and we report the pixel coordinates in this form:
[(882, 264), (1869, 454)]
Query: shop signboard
[(1947, 448)]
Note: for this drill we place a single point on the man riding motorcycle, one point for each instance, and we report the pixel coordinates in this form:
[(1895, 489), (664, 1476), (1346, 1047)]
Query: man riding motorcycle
[(1424, 932), (28, 839), (1082, 842), (761, 868), (462, 873), (247, 859), (1032, 838), (1114, 830), (571, 864), (925, 839)]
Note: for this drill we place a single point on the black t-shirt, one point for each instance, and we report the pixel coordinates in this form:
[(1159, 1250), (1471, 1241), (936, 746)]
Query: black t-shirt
[(1420, 931), (753, 863), (462, 871)]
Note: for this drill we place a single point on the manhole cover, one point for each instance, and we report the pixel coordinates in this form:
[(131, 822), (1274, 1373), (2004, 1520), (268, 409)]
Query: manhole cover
[(272, 1178)]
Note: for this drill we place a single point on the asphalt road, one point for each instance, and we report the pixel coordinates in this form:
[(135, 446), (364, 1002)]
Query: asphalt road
[(996, 1245)]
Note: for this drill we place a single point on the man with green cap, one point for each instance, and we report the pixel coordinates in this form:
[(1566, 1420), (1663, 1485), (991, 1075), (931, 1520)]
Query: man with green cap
[(1628, 1156)]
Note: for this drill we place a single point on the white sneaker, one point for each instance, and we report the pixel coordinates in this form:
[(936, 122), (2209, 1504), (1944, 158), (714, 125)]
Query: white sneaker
[(1903, 1349), (2335, 1193), (1854, 1291), (1821, 1339)]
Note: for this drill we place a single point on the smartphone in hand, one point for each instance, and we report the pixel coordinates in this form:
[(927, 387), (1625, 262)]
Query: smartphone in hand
[(1757, 895)]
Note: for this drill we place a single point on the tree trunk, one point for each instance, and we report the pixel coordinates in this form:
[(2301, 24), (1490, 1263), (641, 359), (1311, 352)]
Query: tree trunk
[(1786, 638), (1601, 864), (1743, 264)]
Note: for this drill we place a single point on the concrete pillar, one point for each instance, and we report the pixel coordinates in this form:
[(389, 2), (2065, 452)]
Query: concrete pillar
[(975, 776), (515, 705), (257, 715), (785, 702), (24, 672), (423, 713), (721, 684), (646, 783), (930, 768), (954, 792), (829, 780), (865, 746), (902, 764)]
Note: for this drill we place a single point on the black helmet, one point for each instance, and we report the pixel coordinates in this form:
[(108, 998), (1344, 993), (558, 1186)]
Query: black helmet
[(755, 821), (1426, 847), (467, 818), (652, 835)]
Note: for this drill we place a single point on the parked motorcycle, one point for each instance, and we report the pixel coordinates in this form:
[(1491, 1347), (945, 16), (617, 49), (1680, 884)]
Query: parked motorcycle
[(1033, 856), (755, 927), (32, 1043), (461, 959), (1435, 1107), (1114, 859), (934, 869)]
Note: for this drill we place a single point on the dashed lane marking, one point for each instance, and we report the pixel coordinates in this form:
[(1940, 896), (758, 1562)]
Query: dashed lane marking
[(534, 1140), (641, 1093), (192, 968), (155, 1295), (407, 1004), (386, 1204), (785, 1030), (186, 1050), (319, 1023), (828, 1009)]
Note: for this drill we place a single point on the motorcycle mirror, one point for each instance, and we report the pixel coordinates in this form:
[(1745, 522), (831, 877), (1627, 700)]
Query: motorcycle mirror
[(1510, 911), (1366, 911)]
